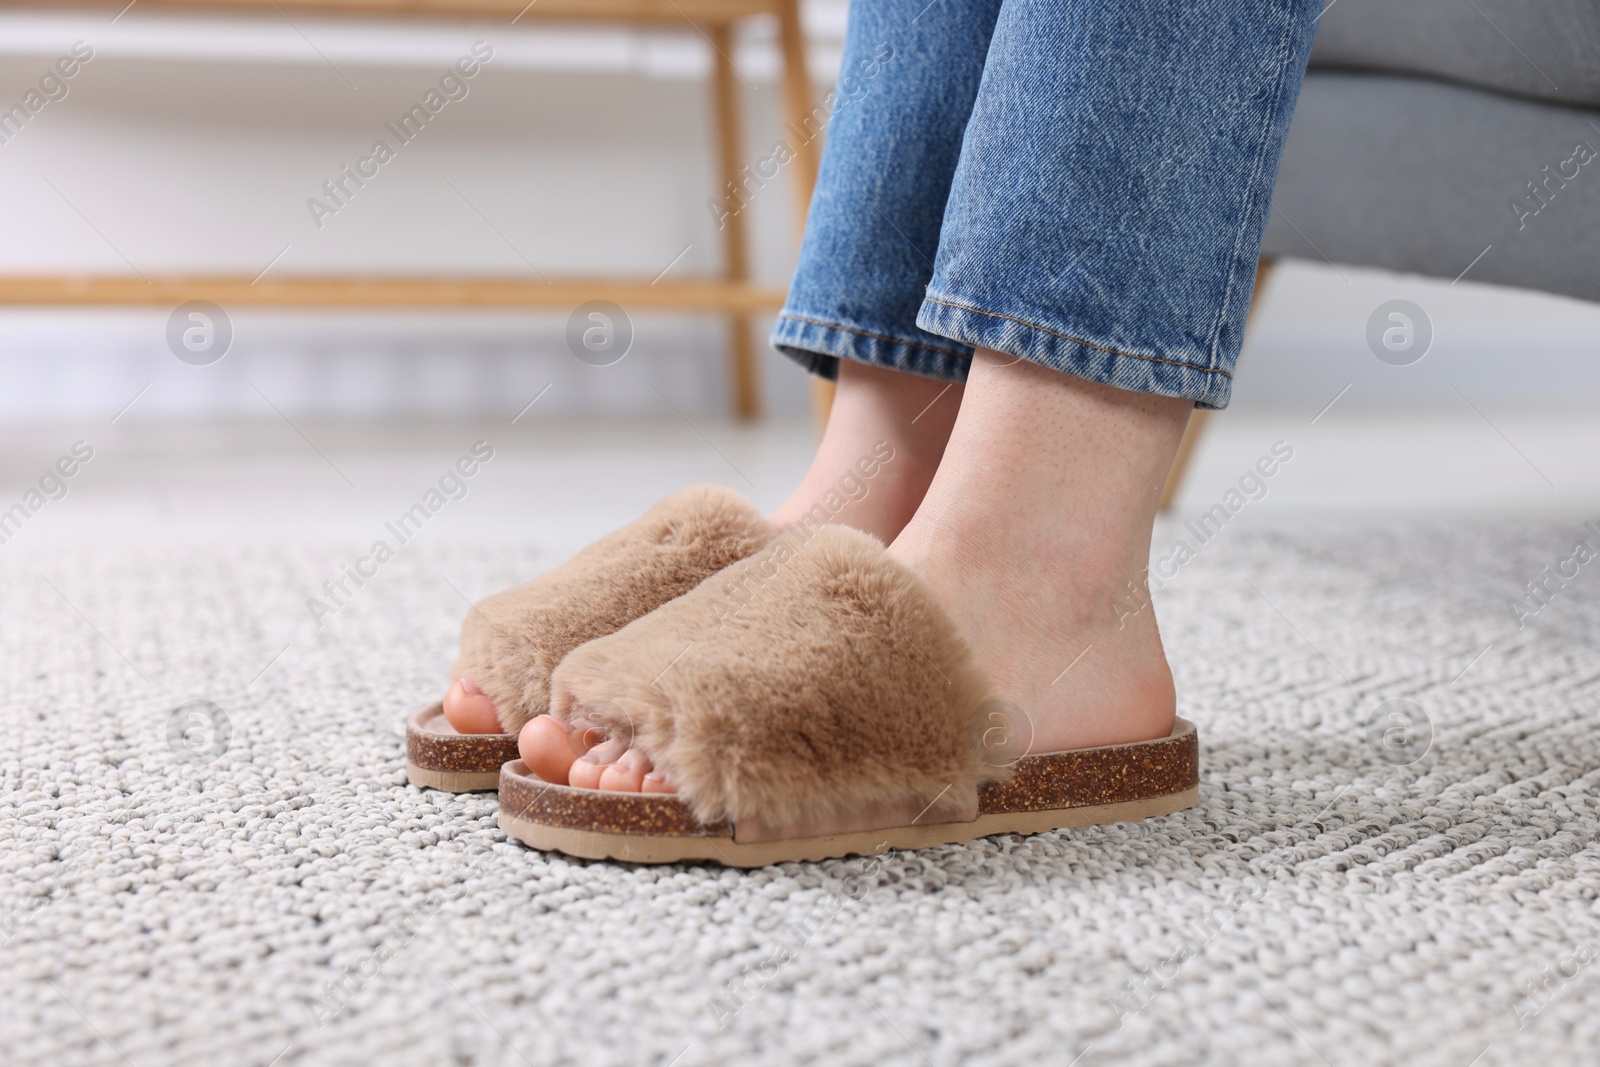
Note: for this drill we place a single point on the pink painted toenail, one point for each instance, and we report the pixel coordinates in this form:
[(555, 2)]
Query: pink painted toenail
[(656, 782), (471, 687)]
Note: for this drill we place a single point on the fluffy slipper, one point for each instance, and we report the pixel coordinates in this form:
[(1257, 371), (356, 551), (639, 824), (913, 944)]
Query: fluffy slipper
[(511, 642), (818, 684)]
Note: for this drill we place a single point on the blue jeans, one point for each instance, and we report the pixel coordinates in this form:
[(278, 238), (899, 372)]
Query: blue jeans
[(1079, 183)]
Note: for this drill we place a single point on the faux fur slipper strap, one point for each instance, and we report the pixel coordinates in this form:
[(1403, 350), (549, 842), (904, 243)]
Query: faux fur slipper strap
[(816, 679), (512, 641)]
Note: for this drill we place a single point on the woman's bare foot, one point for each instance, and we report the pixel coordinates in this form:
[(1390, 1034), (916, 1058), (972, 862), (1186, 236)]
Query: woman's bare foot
[(885, 437), (1037, 520)]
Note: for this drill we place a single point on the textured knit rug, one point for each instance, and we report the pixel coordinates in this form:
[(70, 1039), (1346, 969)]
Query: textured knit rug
[(209, 854)]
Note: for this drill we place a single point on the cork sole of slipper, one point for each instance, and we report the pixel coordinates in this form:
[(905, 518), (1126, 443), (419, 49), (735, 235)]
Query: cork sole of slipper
[(1050, 791), (437, 757)]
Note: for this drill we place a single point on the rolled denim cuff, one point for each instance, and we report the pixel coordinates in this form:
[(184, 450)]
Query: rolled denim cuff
[(818, 345), (1067, 351)]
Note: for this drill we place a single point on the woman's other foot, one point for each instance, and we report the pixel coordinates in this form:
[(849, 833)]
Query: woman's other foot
[(469, 709), (513, 640), (885, 437)]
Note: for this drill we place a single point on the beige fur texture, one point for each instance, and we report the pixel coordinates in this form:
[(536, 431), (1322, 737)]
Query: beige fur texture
[(814, 678), (511, 642)]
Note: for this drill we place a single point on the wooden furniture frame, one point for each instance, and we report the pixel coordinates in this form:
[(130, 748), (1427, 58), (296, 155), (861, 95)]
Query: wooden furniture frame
[(733, 293), (1200, 417)]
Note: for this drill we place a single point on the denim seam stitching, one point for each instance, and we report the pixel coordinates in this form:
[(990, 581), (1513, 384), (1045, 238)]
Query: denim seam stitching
[(874, 336), (1285, 52), (1079, 340)]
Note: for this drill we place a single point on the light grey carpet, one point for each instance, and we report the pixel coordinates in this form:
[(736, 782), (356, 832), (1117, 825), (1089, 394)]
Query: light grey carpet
[(294, 902)]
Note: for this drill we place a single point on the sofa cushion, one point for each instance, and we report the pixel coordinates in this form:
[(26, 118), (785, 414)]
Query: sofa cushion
[(1549, 50), (1416, 175)]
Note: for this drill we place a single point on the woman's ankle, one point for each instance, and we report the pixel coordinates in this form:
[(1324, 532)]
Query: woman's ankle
[(1033, 534), (884, 441)]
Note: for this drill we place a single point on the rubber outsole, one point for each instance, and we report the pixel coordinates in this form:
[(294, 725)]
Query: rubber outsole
[(641, 848), (452, 781)]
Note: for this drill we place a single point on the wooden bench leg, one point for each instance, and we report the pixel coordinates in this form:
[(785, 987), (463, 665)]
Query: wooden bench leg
[(821, 402), (745, 372), (1180, 462), (798, 103), (1202, 416)]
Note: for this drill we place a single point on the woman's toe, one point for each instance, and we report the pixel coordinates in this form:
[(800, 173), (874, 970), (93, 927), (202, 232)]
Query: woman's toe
[(548, 746), (584, 757), (627, 774), (469, 710), (585, 773)]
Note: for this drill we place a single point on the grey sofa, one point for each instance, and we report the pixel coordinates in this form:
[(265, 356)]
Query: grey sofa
[(1450, 138), (1430, 131)]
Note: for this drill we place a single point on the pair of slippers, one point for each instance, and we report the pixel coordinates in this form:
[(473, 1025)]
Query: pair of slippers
[(784, 682)]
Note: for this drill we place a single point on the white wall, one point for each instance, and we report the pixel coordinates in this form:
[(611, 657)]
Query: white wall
[(1308, 340), (190, 144), (195, 145)]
